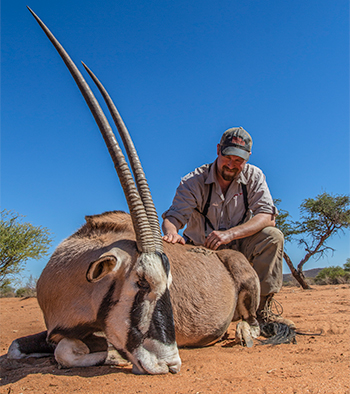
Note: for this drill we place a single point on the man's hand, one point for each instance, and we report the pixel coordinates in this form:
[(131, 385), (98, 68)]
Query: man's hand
[(253, 226), (217, 238), (174, 238), (170, 233)]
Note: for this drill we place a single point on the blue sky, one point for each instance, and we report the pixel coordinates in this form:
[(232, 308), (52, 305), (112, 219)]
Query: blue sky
[(180, 73)]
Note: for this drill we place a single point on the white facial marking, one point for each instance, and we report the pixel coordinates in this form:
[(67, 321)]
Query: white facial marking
[(147, 312), (152, 267), (167, 357)]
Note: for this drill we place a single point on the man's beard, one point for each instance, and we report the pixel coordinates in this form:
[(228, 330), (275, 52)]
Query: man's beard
[(229, 175)]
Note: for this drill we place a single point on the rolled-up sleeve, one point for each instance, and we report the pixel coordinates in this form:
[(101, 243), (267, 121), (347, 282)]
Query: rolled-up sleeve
[(259, 196), (188, 196), (183, 205)]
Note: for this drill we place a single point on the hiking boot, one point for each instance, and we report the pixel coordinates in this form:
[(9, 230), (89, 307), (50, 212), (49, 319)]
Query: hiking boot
[(270, 311)]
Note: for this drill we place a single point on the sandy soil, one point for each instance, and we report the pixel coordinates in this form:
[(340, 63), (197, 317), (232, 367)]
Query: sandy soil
[(315, 364)]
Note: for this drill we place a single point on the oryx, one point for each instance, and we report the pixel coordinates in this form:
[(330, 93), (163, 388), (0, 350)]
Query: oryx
[(113, 276)]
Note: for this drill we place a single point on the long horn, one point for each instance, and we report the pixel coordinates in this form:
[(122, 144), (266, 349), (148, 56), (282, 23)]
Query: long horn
[(144, 235), (140, 178)]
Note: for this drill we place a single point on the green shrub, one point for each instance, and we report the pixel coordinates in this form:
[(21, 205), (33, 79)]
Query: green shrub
[(7, 291), (332, 275), (25, 292)]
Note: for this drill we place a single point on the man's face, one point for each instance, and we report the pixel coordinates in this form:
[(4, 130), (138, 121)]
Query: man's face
[(229, 167)]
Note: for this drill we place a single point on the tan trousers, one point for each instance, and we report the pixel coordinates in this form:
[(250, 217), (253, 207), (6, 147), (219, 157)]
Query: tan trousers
[(264, 250)]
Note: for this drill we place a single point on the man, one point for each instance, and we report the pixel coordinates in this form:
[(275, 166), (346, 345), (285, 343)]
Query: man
[(228, 204)]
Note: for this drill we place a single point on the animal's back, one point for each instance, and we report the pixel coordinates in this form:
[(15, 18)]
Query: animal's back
[(203, 294)]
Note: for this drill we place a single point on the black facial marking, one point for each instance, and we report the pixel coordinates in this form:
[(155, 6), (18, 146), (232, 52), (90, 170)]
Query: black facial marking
[(135, 336), (106, 305), (143, 285), (162, 327), (165, 262)]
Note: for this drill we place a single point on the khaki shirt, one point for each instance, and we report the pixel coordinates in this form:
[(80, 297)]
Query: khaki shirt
[(224, 212)]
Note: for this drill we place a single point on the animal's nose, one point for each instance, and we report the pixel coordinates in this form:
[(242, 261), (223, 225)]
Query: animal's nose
[(161, 359), (175, 368), (158, 368), (137, 370)]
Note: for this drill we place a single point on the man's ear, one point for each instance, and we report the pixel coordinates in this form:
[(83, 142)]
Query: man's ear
[(218, 149)]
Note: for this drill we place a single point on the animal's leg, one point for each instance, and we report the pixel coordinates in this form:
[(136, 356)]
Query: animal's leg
[(114, 357), (248, 289), (31, 346), (249, 327), (245, 334), (75, 353), (246, 282), (98, 342)]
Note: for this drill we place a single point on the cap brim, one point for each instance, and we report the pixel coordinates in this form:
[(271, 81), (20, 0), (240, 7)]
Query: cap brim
[(234, 151)]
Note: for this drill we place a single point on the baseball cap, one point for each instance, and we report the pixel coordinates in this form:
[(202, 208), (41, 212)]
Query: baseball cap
[(236, 142)]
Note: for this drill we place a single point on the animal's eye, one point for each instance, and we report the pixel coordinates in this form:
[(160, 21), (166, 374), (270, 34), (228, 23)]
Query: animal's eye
[(143, 284)]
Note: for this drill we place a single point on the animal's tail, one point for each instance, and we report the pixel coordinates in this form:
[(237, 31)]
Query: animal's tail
[(277, 333), (31, 346)]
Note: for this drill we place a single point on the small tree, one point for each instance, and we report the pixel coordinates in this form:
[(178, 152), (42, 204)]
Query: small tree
[(18, 243), (321, 218), (289, 231)]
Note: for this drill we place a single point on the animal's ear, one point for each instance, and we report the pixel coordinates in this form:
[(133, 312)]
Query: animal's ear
[(100, 268)]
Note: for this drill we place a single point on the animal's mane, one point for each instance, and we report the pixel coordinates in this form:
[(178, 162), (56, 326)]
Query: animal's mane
[(111, 221)]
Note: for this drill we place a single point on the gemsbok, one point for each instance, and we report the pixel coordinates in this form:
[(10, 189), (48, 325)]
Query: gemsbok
[(114, 282)]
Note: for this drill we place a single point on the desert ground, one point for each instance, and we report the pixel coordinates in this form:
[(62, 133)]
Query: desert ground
[(315, 364)]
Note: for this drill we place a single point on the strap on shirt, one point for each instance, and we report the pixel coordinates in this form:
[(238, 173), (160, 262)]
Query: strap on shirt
[(246, 205), (207, 222)]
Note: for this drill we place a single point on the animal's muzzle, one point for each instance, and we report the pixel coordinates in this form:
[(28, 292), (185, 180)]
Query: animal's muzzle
[(156, 358)]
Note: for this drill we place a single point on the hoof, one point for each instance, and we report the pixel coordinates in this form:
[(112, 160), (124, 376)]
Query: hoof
[(244, 334)]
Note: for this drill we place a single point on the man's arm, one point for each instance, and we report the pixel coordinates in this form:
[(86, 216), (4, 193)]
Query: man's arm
[(170, 231), (251, 227)]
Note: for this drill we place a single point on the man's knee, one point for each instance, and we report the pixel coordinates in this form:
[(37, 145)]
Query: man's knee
[(268, 260), (273, 235)]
